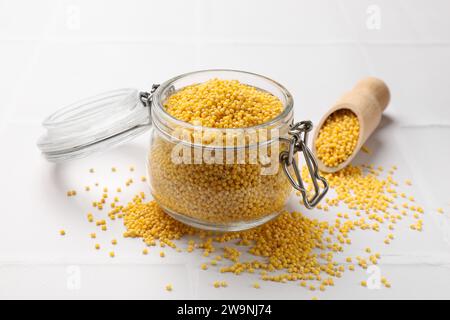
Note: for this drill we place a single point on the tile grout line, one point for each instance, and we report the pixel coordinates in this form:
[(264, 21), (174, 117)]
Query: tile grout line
[(224, 41)]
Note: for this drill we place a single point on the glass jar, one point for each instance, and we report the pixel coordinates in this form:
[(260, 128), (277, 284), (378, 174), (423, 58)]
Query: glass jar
[(214, 179)]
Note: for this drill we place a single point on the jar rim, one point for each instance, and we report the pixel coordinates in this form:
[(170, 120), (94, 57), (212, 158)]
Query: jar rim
[(158, 108)]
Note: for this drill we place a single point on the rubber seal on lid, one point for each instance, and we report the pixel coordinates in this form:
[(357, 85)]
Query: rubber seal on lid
[(94, 124)]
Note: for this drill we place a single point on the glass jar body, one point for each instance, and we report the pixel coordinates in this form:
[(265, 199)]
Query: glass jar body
[(228, 186)]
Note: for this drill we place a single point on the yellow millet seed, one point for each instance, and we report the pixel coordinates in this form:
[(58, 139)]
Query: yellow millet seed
[(337, 137), (113, 242), (62, 232), (97, 246), (112, 254), (162, 254), (365, 149), (169, 287), (145, 251), (93, 235), (256, 285)]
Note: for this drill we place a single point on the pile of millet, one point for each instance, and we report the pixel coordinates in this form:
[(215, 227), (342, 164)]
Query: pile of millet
[(223, 104), (219, 194), (337, 138)]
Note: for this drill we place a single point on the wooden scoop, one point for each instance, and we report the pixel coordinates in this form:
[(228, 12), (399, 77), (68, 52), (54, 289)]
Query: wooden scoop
[(367, 100)]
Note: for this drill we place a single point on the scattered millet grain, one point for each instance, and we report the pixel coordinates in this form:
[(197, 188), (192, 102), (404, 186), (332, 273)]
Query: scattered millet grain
[(365, 150), (145, 251), (278, 251), (62, 232), (256, 285), (112, 254), (113, 242), (97, 246), (440, 210), (271, 242), (337, 137), (169, 287)]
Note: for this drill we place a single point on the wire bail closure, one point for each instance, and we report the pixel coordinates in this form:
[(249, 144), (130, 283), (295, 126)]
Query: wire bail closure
[(298, 143), (147, 97)]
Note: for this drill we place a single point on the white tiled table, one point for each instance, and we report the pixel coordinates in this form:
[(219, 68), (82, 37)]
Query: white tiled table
[(54, 52)]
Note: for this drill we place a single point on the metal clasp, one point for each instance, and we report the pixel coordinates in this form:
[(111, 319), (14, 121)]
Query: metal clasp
[(298, 143), (147, 97)]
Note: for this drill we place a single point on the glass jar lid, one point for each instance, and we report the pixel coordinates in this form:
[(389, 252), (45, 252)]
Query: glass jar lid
[(95, 124)]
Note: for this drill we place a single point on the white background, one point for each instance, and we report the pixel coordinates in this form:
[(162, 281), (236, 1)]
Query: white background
[(54, 52)]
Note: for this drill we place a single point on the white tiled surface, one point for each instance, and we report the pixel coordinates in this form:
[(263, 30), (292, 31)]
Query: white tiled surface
[(317, 49)]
